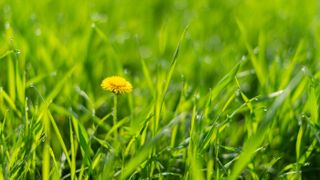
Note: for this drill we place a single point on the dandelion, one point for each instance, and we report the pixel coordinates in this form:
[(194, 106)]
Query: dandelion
[(117, 85)]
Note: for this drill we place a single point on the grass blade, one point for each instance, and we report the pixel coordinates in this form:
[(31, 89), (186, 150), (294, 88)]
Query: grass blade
[(252, 144)]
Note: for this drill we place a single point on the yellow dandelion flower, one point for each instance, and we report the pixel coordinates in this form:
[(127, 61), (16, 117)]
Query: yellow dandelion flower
[(116, 84)]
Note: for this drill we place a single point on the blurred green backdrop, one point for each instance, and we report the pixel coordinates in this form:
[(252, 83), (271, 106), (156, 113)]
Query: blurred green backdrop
[(43, 43)]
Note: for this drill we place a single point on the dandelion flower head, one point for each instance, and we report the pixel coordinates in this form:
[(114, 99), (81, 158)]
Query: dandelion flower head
[(116, 84)]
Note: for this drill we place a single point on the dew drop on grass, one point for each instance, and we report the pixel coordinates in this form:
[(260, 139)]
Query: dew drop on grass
[(53, 73), (27, 107), (81, 92), (98, 17), (300, 121), (17, 52), (44, 137), (307, 164), (63, 157), (7, 25), (93, 113), (198, 116), (207, 59), (166, 131), (38, 32), (91, 131), (256, 50), (197, 96), (243, 58), (238, 92)]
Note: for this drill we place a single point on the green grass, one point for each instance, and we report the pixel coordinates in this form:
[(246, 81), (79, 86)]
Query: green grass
[(221, 89)]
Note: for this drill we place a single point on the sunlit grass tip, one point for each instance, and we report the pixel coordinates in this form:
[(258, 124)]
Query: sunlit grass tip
[(116, 84)]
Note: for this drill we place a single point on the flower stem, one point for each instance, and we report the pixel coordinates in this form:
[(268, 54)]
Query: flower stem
[(115, 101)]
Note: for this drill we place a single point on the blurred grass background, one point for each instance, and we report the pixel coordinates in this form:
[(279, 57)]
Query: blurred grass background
[(236, 58)]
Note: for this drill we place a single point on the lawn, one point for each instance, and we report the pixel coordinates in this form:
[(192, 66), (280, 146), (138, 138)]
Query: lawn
[(221, 89)]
